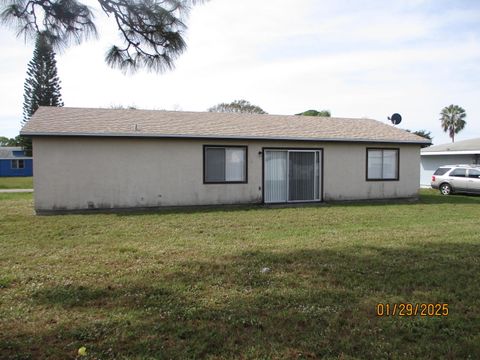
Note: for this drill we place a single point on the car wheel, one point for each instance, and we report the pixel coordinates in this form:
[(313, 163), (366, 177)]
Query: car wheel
[(445, 189)]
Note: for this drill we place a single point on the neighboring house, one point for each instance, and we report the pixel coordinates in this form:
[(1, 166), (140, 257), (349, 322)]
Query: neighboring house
[(106, 158), (13, 162), (460, 152)]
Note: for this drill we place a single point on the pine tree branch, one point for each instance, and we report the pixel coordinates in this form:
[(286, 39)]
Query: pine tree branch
[(151, 30)]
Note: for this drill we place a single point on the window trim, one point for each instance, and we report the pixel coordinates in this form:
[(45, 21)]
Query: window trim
[(18, 164), (381, 179), (205, 182)]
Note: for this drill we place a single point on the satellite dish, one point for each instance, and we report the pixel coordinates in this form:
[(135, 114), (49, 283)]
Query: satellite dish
[(395, 119)]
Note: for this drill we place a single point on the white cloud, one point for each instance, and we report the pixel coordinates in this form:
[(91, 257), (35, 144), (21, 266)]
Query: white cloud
[(370, 60)]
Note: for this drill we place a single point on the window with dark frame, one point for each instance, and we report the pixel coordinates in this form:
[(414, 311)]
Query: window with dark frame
[(383, 164), (18, 164), (225, 164)]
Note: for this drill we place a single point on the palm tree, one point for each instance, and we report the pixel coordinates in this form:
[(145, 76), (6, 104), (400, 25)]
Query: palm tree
[(453, 120)]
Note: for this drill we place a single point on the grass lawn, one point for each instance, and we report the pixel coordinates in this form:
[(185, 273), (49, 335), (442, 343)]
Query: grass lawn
[(16, 182), (188, 284)]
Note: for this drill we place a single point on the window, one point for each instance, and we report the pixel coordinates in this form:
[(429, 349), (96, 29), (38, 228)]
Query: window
[(382, 164), (224, 164), (441, 171), (472, 173), (18, 153), (459, 173), (18, 164)]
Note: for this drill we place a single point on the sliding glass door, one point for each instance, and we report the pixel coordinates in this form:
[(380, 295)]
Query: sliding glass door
[(301, 176), (292, 175), (275, 176)]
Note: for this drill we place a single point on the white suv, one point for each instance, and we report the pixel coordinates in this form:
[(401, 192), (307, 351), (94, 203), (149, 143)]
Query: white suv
[(457, 179)]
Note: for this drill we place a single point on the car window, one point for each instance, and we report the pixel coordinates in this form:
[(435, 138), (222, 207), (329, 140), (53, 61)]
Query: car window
[(473, 173), (441, 171), (459, 173)]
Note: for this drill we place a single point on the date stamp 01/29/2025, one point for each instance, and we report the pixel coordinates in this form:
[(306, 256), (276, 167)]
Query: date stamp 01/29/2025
[(408, 309)]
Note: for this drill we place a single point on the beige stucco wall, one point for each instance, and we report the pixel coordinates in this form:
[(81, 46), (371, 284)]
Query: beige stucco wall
[(77, 173)]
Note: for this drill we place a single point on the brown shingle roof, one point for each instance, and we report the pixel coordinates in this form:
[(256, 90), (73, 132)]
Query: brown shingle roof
[(153, 123)]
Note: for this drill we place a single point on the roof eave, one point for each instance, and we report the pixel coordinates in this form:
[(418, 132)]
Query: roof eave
[(451, 152), (16, 158), (225, 137)]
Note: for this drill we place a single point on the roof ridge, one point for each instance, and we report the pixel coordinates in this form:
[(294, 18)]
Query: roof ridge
[(205, 112)]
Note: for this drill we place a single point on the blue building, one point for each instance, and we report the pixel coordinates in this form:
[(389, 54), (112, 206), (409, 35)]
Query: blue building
[(13, 162)]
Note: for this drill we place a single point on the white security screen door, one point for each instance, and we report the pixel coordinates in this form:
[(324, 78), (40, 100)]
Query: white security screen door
[(292, 175)]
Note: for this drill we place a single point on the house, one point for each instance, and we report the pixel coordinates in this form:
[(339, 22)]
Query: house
[(460, 152), (109, 159), (14, 162)]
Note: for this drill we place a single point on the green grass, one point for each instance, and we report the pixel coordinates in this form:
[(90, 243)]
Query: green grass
[(16, 182), (188, 284)]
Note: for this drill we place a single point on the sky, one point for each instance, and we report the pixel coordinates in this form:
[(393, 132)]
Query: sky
[(355, 58)]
